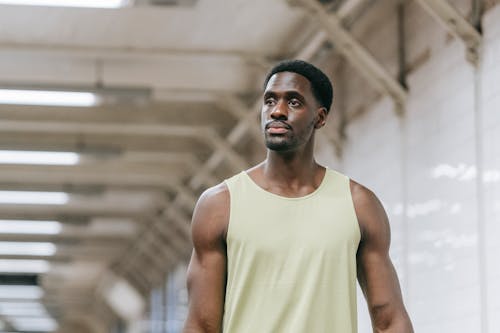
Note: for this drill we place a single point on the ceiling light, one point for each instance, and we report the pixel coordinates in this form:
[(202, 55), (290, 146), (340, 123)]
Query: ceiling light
[(33, 197), (35, 324), (47, 97), (68, 3), (24, 266), (20, 292), (33, 309), (38, 157), (30, 227), (27, 248)]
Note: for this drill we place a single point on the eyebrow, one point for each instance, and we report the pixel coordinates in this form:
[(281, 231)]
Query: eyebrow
[(288, 94)]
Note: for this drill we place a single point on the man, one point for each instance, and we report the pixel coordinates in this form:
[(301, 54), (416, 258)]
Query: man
[(277, 248)]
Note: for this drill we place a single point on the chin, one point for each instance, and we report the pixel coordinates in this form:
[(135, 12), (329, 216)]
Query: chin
[(278, 145)]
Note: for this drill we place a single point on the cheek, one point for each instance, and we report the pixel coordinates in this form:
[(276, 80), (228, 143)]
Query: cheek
[(302, 118), (309, 125)]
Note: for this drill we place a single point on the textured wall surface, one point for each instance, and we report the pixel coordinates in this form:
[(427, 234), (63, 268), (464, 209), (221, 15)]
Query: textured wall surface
[(437, 171)]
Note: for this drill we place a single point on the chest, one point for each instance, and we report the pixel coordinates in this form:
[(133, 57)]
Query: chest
[(323, 225)]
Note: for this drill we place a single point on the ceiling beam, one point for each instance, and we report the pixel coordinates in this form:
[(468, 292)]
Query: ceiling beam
[(172, 217), (104, 255), (111, 168), (313, 45), (122, 108), (81, 208), (147, 268), (81, 318), (181, 221), (164, 254), (77, 142), (176, 243), (226, 150), (203, 133), (130, 157), (67, 65), (356, 54), (172, 213), (166, 223), (95, 176), (159, 254), (245, 122), (74, 238), (161, 232), (151, 259), (240, 110), (316, 42), (350, 7), (136, 279), (117, 52), (248, 116), (451, 19), (112, 129)]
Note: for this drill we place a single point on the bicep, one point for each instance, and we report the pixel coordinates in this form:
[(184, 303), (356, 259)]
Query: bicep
[(206, 288), (207, 269), (378, 280), (376, 274)]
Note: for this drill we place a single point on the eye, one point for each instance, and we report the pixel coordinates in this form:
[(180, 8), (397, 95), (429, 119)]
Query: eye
[(269, 101), (295, 103)]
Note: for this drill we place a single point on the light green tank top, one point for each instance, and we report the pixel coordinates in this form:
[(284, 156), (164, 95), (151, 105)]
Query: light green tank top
[(291, 261)]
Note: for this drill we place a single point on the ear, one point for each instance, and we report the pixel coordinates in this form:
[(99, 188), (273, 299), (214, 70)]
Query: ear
[(320, 117)]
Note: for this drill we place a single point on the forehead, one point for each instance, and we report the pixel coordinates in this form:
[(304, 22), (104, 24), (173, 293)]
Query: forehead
[(289, 81)]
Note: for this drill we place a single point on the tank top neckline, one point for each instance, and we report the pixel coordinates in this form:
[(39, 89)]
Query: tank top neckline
[(274, 195)]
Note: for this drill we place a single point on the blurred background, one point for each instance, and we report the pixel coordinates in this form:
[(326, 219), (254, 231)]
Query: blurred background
[(115, 115)]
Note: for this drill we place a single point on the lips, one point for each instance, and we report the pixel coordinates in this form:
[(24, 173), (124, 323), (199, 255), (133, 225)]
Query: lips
[(277, 127)]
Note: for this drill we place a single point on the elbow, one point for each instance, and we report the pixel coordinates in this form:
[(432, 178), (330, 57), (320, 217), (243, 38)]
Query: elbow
[(382, 318), (386, 319), (192, 328), (201, 325)]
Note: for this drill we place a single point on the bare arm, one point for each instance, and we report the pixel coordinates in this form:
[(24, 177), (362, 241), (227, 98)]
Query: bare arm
[(207, 269), (376, 274)]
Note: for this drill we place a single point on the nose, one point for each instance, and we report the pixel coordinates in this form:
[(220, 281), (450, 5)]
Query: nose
[(280, 110)]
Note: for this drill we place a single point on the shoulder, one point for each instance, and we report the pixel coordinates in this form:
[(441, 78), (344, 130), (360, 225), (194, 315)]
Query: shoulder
[(214, 196), (361, 195), (211, 213), (370, 212)]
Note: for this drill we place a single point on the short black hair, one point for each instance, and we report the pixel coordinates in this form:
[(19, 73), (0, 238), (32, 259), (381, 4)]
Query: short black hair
[(320, 83)]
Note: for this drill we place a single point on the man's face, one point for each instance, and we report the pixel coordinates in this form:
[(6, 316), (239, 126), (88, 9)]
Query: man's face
[(289, 112)]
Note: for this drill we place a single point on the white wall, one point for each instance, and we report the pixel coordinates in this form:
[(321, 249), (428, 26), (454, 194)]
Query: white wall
[(490, 136), (437, 172)]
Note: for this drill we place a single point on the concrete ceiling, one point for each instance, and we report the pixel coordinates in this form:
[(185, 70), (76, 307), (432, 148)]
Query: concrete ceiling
[(180, 87), (178, 83)]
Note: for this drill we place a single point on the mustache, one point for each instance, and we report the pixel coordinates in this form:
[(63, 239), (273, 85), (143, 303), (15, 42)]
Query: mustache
[(281, 122)]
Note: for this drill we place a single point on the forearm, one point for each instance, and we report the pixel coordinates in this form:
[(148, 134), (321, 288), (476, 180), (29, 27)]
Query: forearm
[(205, 308)]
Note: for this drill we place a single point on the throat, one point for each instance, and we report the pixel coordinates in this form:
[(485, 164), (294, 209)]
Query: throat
[(288, 181), (291, 191)]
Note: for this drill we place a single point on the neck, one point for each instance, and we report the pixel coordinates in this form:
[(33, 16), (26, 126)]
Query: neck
[(298, 166)]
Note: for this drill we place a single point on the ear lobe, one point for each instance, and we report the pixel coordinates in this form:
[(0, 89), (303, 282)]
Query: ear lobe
[(319, 125), (321, 120)]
